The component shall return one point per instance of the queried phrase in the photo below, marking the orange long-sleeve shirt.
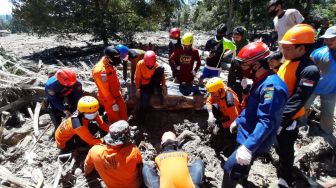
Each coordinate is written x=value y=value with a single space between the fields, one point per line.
x=231 y=111
x=78 y=126
x=117 y=166
x=143 y=74
x=106 y=78
x=174 y=170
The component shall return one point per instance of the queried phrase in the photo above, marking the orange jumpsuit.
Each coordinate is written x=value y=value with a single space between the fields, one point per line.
x=109 y=93
x=143 y=74
x=78 y=126
x=228 y=110
x=174 y=170
x=117 y=166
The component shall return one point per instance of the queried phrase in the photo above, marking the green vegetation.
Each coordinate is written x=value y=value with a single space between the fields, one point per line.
x=120 y=19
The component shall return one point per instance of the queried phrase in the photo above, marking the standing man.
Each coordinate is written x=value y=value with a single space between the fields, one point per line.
x=174 y=44
x=235 y=76
x=107 y=81
x=283 y=19
x=60 y=88
x=216 y=49
x=325 y=59
x=301 y=76
x=183 y=62
x=118 y=161
x=259 y=121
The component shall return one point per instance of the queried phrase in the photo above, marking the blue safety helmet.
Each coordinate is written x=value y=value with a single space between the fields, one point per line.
x=123 y=50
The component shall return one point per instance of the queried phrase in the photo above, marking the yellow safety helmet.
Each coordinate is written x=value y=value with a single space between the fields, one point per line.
x=88 y=104
x=187 y=39
x=214 y=84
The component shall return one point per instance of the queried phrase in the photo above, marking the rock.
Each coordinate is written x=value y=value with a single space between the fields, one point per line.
x=44 y=120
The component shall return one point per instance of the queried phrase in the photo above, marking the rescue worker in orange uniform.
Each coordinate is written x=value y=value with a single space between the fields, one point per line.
x=117 y=161
x=106 y=78
x=79 y=124
x=301 y=76
x=223 y=108
x=149 y=78
x=173 y=167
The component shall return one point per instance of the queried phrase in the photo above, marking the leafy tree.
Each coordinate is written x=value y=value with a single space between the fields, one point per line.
x=105 y=19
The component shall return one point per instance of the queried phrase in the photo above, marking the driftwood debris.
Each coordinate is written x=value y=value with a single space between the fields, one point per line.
x=7 y=175
x=36 y=118
x=4 y=118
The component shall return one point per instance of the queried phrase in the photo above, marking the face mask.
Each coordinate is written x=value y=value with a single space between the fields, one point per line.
x=114 y=61
x=219 y=37
x=91 y=116
x=250 y=73
x=273 y=13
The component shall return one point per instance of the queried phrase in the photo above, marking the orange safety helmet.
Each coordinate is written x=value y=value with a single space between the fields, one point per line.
x=150 y=58
x=253 y=52
x=66 y=77
x=299 y=34
x=174 y=33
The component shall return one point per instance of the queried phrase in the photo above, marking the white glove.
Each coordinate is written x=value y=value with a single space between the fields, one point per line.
x=233 y=127
x=193 y=72
x=243 y=155
x=245 y=82
x=115 y=107
x=211 y=119
x=292 y=127
x=206 y=53
x=178 y=68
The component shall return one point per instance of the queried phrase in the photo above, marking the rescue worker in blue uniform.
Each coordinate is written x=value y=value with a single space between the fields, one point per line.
x=258 y=123
x=60 y=88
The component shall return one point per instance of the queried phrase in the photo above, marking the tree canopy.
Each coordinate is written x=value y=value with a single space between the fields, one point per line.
x=120 y=19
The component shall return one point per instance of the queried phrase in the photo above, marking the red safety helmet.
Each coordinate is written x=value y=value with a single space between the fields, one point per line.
x=253 y=52
x=66 y=77
x=174 y=33
x=150 y=58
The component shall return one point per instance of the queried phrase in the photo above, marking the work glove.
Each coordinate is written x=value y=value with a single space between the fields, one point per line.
x=178 y=68
x=67 y=113
x=164 y=91
x=193 y=72
x=233 y=127
x=243 y=155
x=115 y=107
x=137 y=94
x=211 y=119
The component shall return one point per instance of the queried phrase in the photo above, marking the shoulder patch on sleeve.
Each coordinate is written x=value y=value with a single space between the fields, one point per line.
x=51 y=92
x=75 y=122
x=268 y=94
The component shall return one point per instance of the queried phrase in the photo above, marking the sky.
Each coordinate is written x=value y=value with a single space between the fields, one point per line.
x=5 y=7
